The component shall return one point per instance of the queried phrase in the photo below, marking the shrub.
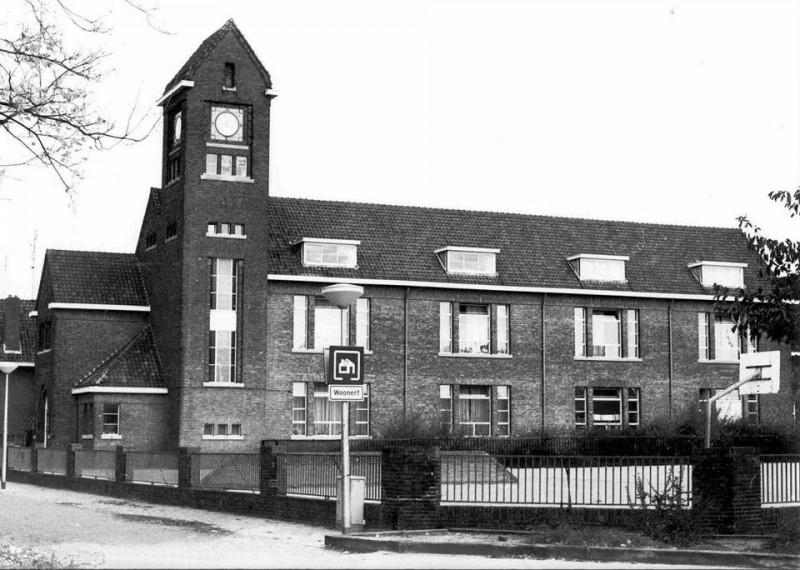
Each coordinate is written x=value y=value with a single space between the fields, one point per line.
x=667 y=516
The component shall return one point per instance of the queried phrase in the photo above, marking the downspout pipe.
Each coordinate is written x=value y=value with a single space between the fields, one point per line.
x=405 y=354
x=544 y=359
x=671 y=358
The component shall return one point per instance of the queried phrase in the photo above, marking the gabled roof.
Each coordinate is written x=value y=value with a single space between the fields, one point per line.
x=27 y=333
x=134 y=365
x=96 y=278
x=398 y=244
x=187 y=72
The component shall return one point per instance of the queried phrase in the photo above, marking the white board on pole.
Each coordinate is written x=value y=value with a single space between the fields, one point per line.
x=763 y=370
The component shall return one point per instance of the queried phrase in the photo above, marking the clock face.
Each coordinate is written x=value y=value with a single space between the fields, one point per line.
x=177 y=127
x=227 y=124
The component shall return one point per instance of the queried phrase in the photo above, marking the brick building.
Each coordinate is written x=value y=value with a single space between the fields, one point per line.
x=210 y=335
x=18 y=349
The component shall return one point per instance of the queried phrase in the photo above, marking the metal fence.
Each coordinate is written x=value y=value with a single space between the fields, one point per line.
x=314 y=473
x=226 y=471
x=96 y=463
x=51 y=460
x=780 y=480
x=156 y=468
x=512 y=480
x=19 y=458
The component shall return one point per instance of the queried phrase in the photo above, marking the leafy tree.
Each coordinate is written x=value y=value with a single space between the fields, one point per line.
x=771 y=310
x=47 y=112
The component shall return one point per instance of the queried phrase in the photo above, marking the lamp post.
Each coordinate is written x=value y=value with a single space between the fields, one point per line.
x=343 y=295
x=6 y=368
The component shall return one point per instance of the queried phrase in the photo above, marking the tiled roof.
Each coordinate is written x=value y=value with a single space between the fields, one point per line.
x=201 y=53
x=398 y=243
x=91 y=277
x=27 y=333
x=134 y=365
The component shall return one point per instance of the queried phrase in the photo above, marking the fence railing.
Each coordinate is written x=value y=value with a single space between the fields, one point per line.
x=95 y=463
x=314 y=473
x=51 y=460
x=780 y=479
x=226 y=471
x=562 y=480
x=20 y=458
x=156 y=468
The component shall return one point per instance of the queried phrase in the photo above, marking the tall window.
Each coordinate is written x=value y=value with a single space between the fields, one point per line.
x=362 y=323
x=599 y=333
x=718 y=341
x=473 y=329
x=609 y=408
x=299 y=408
x=475 y=410
x=504 y=410
x=111 y=419
x=361 y=423
x=327 y=414
x=330 y=324
x=229 y=76
x=87 y=421
x=223 y=321
x=446 y=407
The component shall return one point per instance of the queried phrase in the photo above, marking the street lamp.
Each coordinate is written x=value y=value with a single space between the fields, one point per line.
x=343 y=295
x=6 y=368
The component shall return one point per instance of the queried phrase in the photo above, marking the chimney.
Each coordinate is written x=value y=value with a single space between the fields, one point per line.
x=11 y=324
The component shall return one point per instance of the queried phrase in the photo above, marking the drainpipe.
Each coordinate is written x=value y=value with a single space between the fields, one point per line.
x=544 y=354
x=405 y=354
x=671 y=358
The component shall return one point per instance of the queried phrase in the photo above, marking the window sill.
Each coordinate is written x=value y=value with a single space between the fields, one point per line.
x=471 y=355
x=45 y=351
x=87 y=436
x=227 y=145
x=223 y=178
x=606 y=359
x=223 y=385
x=224 y=437
x=229 y=236
x=702 y=361
x=229 y=88
x=318 y=351
x=172 y=182
x=110 y=436
x=169 y=239
x=328 y=437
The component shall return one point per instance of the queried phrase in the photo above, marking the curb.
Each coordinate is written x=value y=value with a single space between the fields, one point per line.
x=371 y=542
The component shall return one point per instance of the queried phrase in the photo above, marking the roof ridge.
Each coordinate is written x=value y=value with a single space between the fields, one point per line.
x=503 y=213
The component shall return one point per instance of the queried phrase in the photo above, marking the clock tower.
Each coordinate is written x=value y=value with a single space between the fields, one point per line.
x=202 y=245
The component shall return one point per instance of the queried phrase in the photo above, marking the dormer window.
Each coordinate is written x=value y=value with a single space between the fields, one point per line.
x=724 y=274
x=595 y=267
x=468 y=260
x=330 y=252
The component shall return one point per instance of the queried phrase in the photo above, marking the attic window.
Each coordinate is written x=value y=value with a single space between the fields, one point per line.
x=229 y=77
x=596 y=267
x=468 y=260
x=724 y=274
x=330 y=252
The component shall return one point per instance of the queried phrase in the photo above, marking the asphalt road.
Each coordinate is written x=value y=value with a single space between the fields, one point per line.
x=95 y=531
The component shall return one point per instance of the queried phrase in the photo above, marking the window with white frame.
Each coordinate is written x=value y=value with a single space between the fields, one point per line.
x=299 y=406
x=446 y=407
x=468 y=261
x=719 y=339
x=472 y=326
x=730 y=407
x=609 y=408
x=330 y=253
x=503 y=410
x=225 y=229
x=724 y=274
x=328 y=324
x=223 y=321
x=111 y=420
x=326 y=416
x=475 y=410
x=589 y=267
x=599 y=333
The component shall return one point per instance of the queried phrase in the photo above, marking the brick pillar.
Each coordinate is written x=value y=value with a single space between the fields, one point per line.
x=185 y=467
x=411 y=478
x=71 y=448
x=120 y=464
x=268 y=469
x=726 y=490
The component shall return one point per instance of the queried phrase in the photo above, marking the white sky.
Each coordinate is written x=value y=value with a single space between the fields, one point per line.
x=680 y=112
